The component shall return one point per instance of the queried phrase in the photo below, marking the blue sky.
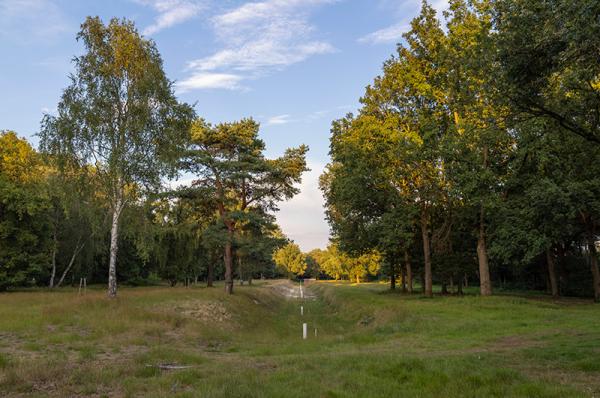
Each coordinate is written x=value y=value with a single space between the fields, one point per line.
x=293 y=65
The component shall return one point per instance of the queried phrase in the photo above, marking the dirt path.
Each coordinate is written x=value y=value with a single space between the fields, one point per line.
x=291 y=290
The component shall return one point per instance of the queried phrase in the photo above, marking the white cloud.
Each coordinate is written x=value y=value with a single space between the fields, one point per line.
x=170 y=13
x=26 y=21
x=249 y=12
x=279 y=119
x=408 y=9
x=303 y=217
x=387 y=35
x=306 y=118
x=207 y=80
x=260 y=37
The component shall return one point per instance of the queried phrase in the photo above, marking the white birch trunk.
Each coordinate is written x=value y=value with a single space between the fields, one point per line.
x=114 y=242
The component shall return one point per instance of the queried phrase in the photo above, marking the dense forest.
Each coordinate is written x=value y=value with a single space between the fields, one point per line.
x=96 y=192
x=472 y=160
x=474 y=156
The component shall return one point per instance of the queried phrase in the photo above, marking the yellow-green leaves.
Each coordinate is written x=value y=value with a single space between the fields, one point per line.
x=291 y=259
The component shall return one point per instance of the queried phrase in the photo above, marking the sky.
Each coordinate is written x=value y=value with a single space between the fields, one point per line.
x=293 y=65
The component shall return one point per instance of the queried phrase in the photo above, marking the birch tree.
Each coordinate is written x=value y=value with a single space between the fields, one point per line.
x=119 y=114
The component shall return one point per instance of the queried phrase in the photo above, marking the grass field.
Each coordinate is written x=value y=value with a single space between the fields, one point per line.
x=370 y=343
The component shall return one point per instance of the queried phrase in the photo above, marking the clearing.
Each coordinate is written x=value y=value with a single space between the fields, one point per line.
x=187 y=342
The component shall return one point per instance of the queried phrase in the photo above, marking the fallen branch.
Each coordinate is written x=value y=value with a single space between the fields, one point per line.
x=167 y=366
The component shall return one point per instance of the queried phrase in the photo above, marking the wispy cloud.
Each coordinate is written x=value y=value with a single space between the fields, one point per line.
x=261 y=37
x=27 y=21
x=277 y=120
x=386 y=35
x=306 y=118
x=171 y=12
x=207 y=80
x=408 y=9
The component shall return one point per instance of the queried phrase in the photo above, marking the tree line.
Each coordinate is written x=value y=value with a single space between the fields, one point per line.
x=475 y=154
x=473 y=157
x=96 y=190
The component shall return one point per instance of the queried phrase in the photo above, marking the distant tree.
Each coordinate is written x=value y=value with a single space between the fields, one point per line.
x=314 y=259
x=177 y=244
x=260 y=237
x=77 y=215
x=291 y=259
x=120 y=115
x=236 y=178
x=357 y=268
x=331 y=262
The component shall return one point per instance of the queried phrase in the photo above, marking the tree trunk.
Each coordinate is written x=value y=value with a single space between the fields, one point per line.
x=210 y=275
x=357 y=279
x=114 y=245
x=78 y=248
x=485 y=283
x=428 y=284
x=54 y=250
x=444 y=288
x=594 y=264
x=409 y=276
x=241 y=275
x=228 y=258
x=393 y=278
x=552 y=273
x=403 y=276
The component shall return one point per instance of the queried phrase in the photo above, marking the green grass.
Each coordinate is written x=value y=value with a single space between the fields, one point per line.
x=369 y=343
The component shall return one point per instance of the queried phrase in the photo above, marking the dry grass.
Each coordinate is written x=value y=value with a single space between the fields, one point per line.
x=369 y=344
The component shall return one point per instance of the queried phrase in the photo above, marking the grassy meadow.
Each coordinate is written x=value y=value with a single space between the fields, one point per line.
x=369 y=343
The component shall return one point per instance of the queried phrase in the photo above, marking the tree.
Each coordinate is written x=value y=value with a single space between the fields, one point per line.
x=358 y=268
x=120 y=115
x=314 y=258
x=259 y=238
x=25 y=243
x=389 y=156
x=478 y=147
x=235 y=177
x=177 y=245
x=331 y=262
x=291 y=259
x=552 y=71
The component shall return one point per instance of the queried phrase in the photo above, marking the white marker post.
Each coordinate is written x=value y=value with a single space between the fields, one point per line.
x=301 y=292
x=304 y=331
x=302 y=310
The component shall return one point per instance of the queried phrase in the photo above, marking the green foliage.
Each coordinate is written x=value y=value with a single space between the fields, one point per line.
x=237 y=181
x=119 y=112
x=291 y=259
x=24 y=204
x=119 y=115
x=464 y=145
x=552 y=72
